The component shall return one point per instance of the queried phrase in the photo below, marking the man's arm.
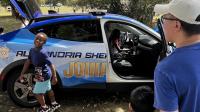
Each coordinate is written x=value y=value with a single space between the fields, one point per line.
x=54 y=77
x=52 y=67
x=25 y=68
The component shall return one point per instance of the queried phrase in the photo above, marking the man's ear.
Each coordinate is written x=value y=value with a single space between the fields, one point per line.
x=178 y=25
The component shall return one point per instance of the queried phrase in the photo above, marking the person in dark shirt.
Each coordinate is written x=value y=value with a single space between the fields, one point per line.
x=114 y=45
x=1 y=30
x=115 y=41
x=44 y=71
x=141 y=100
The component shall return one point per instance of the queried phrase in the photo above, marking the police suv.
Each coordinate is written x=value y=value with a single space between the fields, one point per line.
x=80 y=46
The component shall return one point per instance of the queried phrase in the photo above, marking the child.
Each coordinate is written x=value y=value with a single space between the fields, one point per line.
x=141 y=100
x=43 y=70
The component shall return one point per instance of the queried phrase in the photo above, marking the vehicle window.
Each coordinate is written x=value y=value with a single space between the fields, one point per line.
x=130 y=30
x=48 y=30
x=83 y=31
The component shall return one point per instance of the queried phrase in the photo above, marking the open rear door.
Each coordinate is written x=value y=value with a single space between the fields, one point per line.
x=163 y=53
x=27 y=9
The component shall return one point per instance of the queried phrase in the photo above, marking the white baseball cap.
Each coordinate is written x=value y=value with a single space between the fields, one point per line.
x=185 y=10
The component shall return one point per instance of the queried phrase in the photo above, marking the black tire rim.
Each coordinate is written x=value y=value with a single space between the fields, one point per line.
x=24 y=90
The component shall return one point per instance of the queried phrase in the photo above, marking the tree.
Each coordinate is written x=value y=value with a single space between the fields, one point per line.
x=116 y=7
x=141 y=10
x=5 y=3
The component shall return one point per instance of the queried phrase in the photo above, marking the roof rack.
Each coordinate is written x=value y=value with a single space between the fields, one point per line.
x=98 y=12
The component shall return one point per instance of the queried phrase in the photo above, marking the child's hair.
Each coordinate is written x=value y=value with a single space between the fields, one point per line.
x=142 y=99
x=42 y=33
x=115 y=34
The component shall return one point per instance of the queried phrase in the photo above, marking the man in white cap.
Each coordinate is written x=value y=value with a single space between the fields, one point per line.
x=177 y=77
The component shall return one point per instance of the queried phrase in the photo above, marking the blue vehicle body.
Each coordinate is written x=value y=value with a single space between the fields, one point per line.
x=82 y=59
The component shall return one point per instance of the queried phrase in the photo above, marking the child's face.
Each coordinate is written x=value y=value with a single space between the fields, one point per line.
x=39 y=40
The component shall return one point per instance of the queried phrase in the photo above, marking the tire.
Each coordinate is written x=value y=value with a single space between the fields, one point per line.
x=21 y=93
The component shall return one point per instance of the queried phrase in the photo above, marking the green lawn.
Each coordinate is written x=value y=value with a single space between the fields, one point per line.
x=4 y=12
x=62 y=9
x=9 y=23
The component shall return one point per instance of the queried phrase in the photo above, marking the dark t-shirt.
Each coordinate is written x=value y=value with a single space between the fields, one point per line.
x=39 y=58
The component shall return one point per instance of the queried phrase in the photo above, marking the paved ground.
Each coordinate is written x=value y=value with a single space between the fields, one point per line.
x=77 y=101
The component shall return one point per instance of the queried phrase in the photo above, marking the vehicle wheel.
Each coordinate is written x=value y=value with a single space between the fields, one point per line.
x=21 y=93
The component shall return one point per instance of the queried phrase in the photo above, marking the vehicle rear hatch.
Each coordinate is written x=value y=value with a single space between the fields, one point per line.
x=26 y=9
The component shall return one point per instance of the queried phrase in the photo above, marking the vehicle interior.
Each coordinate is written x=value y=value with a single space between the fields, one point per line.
x=135 y=53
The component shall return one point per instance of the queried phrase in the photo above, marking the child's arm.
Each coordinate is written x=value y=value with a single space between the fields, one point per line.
x=25 y=68
x=52 y=67
x=54 y=77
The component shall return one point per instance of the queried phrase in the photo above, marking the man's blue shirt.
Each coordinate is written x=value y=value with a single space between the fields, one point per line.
x=39 y=58
x=177 y=80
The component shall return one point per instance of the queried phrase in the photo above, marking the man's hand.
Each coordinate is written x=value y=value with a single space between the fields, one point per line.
x=54 y=80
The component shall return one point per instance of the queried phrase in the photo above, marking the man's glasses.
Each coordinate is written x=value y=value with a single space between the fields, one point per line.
x=168 y=18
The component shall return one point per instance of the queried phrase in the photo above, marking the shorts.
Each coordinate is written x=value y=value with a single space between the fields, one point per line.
x=42 y=87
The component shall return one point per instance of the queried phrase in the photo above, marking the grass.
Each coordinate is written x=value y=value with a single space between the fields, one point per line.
x=4 y=12
x=62 y=9
x=9 y=23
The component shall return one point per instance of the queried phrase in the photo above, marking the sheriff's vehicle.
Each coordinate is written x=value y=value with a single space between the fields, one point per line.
x=80 y=46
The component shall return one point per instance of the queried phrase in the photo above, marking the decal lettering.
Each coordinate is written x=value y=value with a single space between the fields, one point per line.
x=22 y=53
x=63 y=54
x=97 y=55
x=85 y=69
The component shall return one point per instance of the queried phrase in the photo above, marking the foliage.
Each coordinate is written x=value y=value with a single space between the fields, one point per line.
x=9 y=23
x=141 y=10
x=4 y=3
